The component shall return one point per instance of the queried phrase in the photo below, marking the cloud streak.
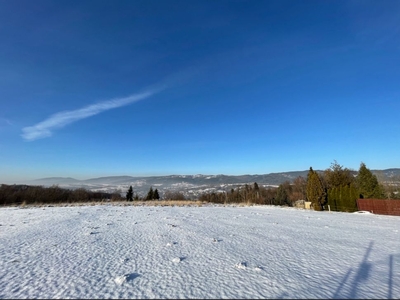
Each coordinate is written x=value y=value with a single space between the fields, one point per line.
x=45 y=128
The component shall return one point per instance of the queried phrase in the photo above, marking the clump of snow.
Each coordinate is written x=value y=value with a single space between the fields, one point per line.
x=121 y=279
x=258 y=268
x=241 y=265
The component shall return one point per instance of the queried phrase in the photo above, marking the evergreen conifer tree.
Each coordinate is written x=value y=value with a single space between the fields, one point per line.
x=156 y=196
x=332 y=199
x=129 y=194
x=150 y=194
x=282 y=197
x=315 y=190
x=368 y=183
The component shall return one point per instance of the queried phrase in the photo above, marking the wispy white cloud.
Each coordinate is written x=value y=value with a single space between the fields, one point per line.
x=5 y=121
x=45 y=128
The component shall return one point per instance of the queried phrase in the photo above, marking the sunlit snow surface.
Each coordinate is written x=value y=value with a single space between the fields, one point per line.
x=110 y=251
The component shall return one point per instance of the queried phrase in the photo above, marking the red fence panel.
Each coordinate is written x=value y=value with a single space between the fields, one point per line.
x=380 y=206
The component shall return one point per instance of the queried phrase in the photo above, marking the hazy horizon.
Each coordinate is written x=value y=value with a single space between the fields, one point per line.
x=80 y=178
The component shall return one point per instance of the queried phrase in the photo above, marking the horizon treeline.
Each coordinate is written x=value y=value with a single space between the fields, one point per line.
x=26 y=194
x=335 y=186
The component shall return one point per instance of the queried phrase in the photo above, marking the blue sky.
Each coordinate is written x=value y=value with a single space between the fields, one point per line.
x=102 y=88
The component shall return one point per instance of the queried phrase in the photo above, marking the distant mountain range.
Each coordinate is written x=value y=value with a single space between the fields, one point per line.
x=191 y=186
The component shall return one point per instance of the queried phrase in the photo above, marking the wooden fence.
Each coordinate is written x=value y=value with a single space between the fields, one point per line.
x=380 y=206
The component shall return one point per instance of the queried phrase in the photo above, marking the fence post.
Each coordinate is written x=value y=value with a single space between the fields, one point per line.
x=329 y=207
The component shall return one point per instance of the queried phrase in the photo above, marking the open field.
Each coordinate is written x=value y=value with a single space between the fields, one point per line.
x=117 y=251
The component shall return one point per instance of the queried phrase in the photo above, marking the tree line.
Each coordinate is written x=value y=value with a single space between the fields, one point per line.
x=25 y=194
x=337 y=189
x=153 y=195
x=336 y=186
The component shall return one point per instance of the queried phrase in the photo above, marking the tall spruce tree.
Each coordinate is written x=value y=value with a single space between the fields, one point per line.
x=129 y=194
x=156 y=196
x=150 y=194
x=315 y=190
x=368 y=184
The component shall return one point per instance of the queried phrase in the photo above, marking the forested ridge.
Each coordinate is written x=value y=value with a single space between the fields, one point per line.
x=336 y=187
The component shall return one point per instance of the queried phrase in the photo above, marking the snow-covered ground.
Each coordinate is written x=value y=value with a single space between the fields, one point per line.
x=110 y=251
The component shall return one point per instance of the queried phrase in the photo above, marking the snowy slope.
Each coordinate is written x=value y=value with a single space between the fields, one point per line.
x=110 y=251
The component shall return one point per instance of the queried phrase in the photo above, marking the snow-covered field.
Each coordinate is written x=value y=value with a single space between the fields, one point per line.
x=110 y=251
